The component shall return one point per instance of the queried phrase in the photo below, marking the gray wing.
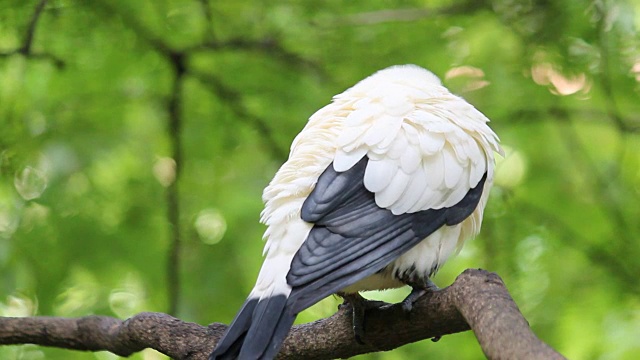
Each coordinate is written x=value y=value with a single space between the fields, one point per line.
x=353 y=238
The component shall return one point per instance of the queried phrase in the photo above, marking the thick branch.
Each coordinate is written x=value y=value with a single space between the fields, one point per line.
x=477 y=300
x=499 y=326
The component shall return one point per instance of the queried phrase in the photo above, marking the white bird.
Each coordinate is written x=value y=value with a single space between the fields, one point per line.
x=380 y=188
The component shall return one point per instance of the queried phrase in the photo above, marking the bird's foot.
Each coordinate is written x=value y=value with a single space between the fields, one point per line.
x=417 y=291
x=359 y=306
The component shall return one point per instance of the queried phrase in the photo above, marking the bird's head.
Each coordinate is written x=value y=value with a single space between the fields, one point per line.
x=396 y=80
x=406 y=74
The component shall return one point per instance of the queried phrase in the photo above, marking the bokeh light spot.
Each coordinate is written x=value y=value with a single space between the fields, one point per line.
x=210 y=225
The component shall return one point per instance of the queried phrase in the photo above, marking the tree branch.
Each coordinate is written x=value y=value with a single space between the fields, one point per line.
x=28 y=39
x=268 y=45
x=208 y=15
x=410 y=14
x=178 y=60
x=174 y=110
x=155 y=42
x=605 y=68
x=233 y=100
x=26 y=48
x=565 y=115
x=477 y=300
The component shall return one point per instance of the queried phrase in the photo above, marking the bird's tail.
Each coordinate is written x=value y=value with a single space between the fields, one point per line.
x=257 y=331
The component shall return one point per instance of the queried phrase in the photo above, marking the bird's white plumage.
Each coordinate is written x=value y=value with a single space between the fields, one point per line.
x=426 y=149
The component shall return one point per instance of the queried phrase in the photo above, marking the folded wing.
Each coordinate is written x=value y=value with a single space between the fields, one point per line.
x=353 y=237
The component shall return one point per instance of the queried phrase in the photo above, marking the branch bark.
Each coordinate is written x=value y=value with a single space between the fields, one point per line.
x=477 y=300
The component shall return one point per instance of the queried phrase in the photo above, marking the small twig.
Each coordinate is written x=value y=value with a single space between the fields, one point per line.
x=233 y=99
x=562 y=114
x=611 y=202
x=605 y=70
x=407 y=15
x=268 y=45
x=26 y=48
x=208 y=15
x=600 y=255
x=148 y=36
x=59 y=63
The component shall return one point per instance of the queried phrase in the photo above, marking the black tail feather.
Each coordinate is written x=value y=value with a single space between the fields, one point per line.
x=258 y=330
x=280 y=333
x=229 y=345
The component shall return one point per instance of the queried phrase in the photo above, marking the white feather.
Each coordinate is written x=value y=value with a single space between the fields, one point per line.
x=412 y=194
x=398 y=146
x=427 y=199
x=345 y=160
x=434 y=168
x=395 y=101
x=381 y=129
x=379 y=173
x=391 y=134
x=430 y=142
x=349 y=137
x=441 y=127
x=452 y=168
x=412 y=156
x=390 y=194
x=477 y=168
x=473 y=152
x=272 y=277
x=362 y=115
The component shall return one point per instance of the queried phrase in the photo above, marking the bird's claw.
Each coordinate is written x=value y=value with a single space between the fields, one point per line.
x=360 y=306
x=416 y=293
x=407 y=304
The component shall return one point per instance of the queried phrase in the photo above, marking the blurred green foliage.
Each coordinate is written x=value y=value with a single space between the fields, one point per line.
x=86 y=151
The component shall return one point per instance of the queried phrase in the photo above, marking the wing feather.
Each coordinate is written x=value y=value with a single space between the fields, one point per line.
x=412 y=194
x=430 y=142
x=452 y=167
x=434 y=167
x=411 y=158
x=345 y=160
x=398 y=146
x=383 y=127
x=353 y=237
x=392 y=193
x=379 y=174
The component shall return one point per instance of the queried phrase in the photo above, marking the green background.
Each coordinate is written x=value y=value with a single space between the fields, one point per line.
x=86 y=152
